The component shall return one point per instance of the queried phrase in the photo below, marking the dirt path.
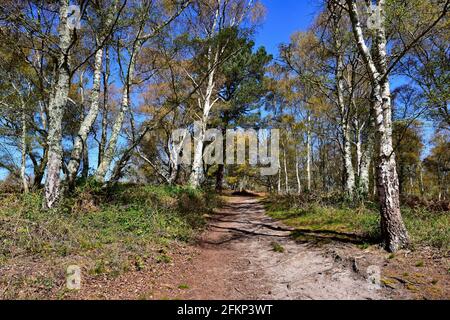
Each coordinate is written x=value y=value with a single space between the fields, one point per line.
x=237 y=261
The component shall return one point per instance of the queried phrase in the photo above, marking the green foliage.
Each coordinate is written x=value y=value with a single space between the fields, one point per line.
x=276 y=247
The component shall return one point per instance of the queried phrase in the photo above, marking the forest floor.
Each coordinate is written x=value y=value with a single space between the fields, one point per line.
x=244 y=254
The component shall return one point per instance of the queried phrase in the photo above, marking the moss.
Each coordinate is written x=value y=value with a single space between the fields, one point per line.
x=388 y=282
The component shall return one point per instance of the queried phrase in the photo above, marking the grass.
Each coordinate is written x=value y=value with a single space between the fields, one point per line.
x=183 y=287
x=276 y=247
x=358 y=225
x=107 y=232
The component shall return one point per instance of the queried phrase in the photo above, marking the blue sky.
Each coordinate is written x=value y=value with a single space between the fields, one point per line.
x=283 y=18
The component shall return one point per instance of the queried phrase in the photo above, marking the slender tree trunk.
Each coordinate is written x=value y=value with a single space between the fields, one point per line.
x=421 y=185
x=102 y=145
x=279 y=180
x=219 y=177
x=197 y=175
x=344 y=110
x=39 y=169
x=110 y=150
x=85 y=171
x=80 y=144
x=364 y=169
x=349 y=171
x=359 y=148
x=286 y=176
x=24 y=152
x=297 y=173
x=308 y=154
x=56 y=110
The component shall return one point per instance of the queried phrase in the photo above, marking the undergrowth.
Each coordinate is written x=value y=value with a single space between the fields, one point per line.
x=107 y=231
x=359 y=225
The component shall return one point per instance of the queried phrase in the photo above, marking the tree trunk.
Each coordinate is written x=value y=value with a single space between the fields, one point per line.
x=393 y=229
x=39 y=168
x=23 y=167
x=197 y=175
x=286 y=176
x=56 y=110
x=279 y=180
x=421 y=185
x=364 y=168
x=85 y=171
x=308 y=154
x=80 y=143
x=109 y=153
x=349 y=174
x=102 y=145
x=297 y=173
x=219 y=177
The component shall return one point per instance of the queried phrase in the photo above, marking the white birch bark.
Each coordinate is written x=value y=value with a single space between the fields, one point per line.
x=364 y=168
x=197 y=174
x=297 y=173
x=23 y=167
x=56 y=109
x=308 y=154
x=86 y=125
x=344 y=111
x=110 y=150
x=286 y=176
x=392 y=227
x=279 y=180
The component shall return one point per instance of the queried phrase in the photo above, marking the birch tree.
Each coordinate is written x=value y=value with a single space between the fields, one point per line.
x=101 y=35
x=140 y=38
x=58 y=101
x=376 y=60
x=213 y=18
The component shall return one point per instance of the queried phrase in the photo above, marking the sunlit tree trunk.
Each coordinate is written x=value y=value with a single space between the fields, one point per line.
x=56 y=110
x=297 y=173
x=286 y=175
x=104 y=124
x=80 y=144
x=349 y=183
x=197 y=175
x=364 y=169
x=308 y=153
x=111 y=149
x=392 y=227
x=23 y=166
